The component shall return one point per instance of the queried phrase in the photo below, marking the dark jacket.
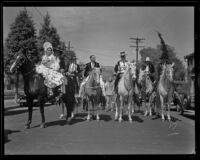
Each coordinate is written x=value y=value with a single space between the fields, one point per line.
x=88 y=68
x=151 y=67
x=78 y=70
x=118 y=65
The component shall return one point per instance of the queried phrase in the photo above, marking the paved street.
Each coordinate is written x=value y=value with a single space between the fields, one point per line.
x=145 y=135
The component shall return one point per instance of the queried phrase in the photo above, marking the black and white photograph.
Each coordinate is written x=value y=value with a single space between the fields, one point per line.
x=99 y=80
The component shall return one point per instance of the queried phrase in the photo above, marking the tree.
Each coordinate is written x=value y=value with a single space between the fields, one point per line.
x=155 y=53
x=49 y=33
x=21 y=39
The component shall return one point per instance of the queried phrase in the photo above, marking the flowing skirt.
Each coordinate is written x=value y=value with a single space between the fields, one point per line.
x=52 y=78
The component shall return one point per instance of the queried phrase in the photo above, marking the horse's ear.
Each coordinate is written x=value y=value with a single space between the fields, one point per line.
x=173 y=64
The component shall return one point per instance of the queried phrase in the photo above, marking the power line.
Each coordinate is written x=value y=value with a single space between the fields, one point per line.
x=137 y=41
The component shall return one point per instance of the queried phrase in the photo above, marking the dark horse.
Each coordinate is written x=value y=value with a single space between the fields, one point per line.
x=68 y=98
x=34 y=87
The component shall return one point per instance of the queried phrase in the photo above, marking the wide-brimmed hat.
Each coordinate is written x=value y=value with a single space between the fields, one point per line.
x=47 y=45
x=123 y=53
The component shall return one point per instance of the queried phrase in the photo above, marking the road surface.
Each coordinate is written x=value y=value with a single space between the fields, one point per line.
x=146 y=135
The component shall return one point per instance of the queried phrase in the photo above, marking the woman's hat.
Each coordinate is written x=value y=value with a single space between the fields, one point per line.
x=123 y=53
x=47 y=45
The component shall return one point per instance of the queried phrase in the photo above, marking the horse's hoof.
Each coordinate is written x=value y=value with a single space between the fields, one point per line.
x=130 y=120
x=61 y=116
x=120 y=120
x=42 y=125
x=27 y=126
x=163 y=120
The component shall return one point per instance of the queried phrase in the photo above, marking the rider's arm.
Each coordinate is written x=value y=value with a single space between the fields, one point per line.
x=116 y=67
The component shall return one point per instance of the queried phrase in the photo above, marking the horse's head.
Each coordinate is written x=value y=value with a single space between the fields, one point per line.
x=168 y=69
x=141 y=75
x=132 y=70
x=96 y=75
x=19 y=61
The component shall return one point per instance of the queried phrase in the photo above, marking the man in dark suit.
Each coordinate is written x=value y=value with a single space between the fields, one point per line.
x=92 y=64
x=89 y=66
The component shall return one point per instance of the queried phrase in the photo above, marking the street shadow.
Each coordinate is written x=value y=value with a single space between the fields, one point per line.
x=8 y=132
x=173 y=119
x=137 y=119
x=76 y=120
x=105 y=117
x=189 y=116
x=15 y=112
x=53 y=123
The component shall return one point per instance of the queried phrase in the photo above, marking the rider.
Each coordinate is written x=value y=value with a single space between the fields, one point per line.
x=50 y=61
x=164 y=59
x=89 y=66
x=73 y=69
x=149 y=68
x=120 y=68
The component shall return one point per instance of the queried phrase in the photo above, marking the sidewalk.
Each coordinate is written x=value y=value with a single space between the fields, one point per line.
x=10 y=103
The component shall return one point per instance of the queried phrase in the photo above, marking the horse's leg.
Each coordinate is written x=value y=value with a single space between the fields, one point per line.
x=168 y=112
x=121 y=108
x=98 y=108
x=30 y=110
x=62 y=109
x=162 y=107
x=88 y=109
x=129 y=109
x=150 y=105
x=117 y=109
x=41 y=103
x=145 y=106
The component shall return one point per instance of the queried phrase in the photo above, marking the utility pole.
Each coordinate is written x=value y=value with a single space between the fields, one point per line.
x=69 y=47
x=137 y=41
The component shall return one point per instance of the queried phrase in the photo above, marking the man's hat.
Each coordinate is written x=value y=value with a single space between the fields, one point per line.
x=123 y=53
x=47 y=45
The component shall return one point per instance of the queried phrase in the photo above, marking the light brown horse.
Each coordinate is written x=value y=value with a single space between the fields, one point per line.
x=165 y=88
x=125 y=92
x=93 y=92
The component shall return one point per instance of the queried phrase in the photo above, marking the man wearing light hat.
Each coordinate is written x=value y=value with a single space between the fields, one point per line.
x=73 y=70
x=120 y=68
x=149 y=68
x=49 y=67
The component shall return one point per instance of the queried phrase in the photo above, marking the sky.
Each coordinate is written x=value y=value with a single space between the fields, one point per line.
x=106 y=31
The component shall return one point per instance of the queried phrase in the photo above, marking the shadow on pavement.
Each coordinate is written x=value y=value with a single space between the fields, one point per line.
x=189 y=116
x=7 y=132
x=137 y=119
x=105 y=117
x=14 y=112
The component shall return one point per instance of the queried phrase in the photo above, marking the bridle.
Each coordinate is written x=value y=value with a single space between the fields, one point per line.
x=25 y=57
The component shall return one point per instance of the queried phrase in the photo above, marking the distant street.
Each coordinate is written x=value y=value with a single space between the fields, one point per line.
x=146 y=135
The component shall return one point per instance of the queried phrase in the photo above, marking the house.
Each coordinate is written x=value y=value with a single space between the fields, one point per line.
x=190 y=74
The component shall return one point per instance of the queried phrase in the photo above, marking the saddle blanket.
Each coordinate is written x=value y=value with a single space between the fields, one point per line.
x=52 y=78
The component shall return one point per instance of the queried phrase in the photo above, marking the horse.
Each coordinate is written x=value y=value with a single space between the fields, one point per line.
x=93 y=92
x=125 y=92
x=136 y=96
x=68 y=98
x=146 y=91
x=166 y=88
x=34 y=87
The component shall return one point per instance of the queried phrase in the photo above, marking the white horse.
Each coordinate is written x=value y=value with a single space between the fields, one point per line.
x=125 y=91
x=166 y=89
